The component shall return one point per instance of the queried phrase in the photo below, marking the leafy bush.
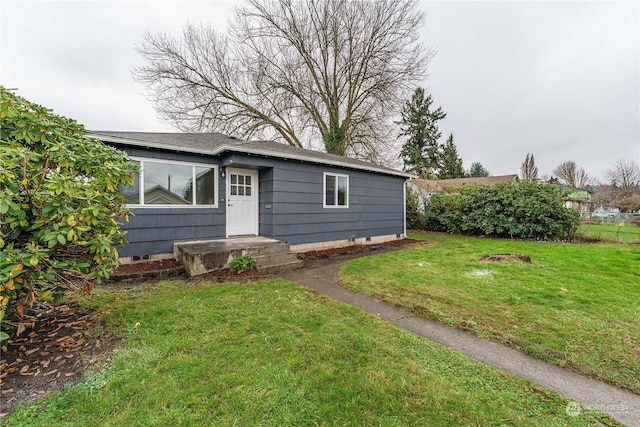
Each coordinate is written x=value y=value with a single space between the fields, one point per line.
x=59 y=204
x=242 y=263
x=522 y=209
x=413 y=211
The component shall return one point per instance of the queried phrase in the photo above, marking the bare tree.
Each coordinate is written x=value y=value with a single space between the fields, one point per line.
x=528 y=169
x=625 y=175
x=296 y=71
x=570 y=174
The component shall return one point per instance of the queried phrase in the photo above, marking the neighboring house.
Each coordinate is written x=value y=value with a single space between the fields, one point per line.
x=578 y=199
x=200 y=186
x=159 y=195
x=428 y=187
x=435 y=186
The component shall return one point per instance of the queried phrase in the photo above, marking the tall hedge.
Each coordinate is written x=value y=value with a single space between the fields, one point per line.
x=520 y=209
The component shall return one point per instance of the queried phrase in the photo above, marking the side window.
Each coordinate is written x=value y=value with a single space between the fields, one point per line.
x=336 y=190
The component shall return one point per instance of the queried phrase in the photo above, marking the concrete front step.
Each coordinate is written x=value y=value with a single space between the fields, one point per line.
x=201 y=257
x=282 y=266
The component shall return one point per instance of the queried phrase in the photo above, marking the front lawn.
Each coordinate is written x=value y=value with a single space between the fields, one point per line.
x=271 y=353
x=576 y=305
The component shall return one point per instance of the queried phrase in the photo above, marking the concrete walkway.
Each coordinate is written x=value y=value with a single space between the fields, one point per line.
x=322 y=277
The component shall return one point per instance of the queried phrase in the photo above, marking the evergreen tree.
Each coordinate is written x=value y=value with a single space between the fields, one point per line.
x=421 y=152
x=450 y=162
x=477 y=170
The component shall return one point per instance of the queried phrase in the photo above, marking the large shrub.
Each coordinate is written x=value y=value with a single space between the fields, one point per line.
x=413 y=209
x=521 y=209
x=59 y=204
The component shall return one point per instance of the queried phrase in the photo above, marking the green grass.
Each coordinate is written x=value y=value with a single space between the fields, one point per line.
x=274 y=354
x=613 y=232
x=576 y=306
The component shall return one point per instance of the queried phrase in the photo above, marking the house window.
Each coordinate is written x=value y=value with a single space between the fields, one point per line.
x=336 y=190
x=163 y=183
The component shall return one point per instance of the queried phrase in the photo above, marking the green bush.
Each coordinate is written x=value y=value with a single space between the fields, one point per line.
x=521 y=209
x=59 y=204
x=242 y=263
x=413 y=211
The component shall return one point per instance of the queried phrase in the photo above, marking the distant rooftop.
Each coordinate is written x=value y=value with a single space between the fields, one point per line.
x=442 y=185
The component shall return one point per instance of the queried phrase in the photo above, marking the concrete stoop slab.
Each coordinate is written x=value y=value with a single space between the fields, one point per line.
x=205 y=256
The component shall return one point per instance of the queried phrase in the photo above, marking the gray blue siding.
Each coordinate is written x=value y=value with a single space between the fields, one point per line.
x=153 y=230
x=294 y=191
x=290 y=206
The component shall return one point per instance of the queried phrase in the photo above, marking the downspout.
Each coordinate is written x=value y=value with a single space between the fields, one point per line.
x=404 y=206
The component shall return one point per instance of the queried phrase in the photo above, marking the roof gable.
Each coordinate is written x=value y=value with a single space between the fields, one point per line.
x=217 y=143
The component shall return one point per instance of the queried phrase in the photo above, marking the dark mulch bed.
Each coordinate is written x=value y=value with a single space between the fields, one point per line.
x=141 y=267
x=227 y=275
x=168 y=268
x=328 y=253
x=56 y=347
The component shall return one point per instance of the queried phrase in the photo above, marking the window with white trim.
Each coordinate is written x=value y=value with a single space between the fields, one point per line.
x=173 y=184
x=336 y=190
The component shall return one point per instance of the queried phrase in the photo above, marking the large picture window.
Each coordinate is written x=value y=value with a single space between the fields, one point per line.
x=173 y=184
x=336 y=190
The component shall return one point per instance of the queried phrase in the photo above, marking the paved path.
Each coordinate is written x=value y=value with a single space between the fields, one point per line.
x=322 y=276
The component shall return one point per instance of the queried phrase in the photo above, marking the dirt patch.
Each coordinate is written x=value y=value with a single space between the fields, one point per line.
x=56 y=347
x=505 y=258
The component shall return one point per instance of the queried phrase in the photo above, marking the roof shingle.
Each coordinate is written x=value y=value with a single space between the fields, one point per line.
x=215 y=143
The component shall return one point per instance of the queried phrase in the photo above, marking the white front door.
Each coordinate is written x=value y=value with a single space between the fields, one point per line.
x=242 y=202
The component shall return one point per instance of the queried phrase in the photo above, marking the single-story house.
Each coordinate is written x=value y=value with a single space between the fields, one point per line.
x=201 y=186
x=578 y=199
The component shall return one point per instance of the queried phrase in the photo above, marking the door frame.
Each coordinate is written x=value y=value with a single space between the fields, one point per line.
x=255 y=191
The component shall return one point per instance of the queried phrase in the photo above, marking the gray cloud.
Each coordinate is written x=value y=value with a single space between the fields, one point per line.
x=559 y=79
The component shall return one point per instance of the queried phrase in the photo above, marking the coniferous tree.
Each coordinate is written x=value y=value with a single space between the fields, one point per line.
x=421 y=152
x=451 y=162
x=477 y=170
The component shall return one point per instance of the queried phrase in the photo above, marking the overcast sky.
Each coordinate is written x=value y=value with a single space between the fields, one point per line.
x=558 y=79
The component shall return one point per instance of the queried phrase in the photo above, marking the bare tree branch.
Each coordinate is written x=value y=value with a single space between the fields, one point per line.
x=303 y=72
x=625 y=175
x=570 y=174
